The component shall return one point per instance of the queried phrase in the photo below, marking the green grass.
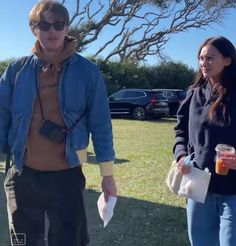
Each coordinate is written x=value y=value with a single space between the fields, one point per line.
x=146 y=213
x=3 y=214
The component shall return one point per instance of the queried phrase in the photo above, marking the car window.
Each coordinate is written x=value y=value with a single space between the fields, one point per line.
x=159 y=91
x=160 y=95
x=169 y=94
x=134 y=94
x=119 y=94
x=181 y=94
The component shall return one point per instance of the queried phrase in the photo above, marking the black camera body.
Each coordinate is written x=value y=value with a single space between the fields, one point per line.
x=53 y=131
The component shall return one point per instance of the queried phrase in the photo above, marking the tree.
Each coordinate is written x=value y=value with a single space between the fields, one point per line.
x=171 y=75
x=123 y=75
x=132 y=30
x=3 y=65
x=130 y=75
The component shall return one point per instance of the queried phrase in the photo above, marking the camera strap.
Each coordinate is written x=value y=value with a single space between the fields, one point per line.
x=40 y=101
x=42 y=112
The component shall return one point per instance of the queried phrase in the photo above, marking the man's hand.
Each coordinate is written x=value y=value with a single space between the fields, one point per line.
x=109 y=186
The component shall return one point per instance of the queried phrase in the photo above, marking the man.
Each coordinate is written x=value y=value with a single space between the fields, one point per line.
x=47 y=111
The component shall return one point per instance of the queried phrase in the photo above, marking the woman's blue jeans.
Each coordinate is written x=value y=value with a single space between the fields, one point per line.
x=214 y=222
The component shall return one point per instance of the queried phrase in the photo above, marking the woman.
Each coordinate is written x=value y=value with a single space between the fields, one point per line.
x=207 y=117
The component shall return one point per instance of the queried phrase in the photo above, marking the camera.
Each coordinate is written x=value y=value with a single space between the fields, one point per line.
x=53 y=131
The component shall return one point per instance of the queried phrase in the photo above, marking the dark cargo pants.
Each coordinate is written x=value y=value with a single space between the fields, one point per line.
x=35 y=195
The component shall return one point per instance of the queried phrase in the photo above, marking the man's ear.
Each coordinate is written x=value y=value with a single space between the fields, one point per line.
x=33 y=30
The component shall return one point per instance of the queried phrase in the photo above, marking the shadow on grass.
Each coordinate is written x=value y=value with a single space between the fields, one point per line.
x=91 y=159
x=137 y=222
x=163 y=120
x=4 y=235
x=148 y=119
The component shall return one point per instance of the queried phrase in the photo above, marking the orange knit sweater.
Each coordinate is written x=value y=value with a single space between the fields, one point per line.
x=41 y=153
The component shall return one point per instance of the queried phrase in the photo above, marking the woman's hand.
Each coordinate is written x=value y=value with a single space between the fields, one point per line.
x=182 y=167
x=229 y=160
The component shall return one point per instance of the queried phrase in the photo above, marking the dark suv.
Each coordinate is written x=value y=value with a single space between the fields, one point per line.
x=138 y=103
x=175 y=98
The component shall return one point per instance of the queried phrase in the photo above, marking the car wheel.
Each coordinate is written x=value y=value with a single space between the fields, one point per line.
x=139 y=113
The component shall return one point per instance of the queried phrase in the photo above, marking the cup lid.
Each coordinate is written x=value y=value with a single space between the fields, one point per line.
x=225 y=147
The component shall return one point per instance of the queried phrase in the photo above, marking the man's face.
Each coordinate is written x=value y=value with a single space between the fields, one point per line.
x=51 y=38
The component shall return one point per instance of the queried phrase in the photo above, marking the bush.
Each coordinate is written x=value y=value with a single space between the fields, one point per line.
x=130 y=75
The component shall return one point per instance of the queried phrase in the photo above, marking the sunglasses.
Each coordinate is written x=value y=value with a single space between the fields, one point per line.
x=45 y=26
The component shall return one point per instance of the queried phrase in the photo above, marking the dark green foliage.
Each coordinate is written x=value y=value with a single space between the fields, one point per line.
x=3 y=66
x=131 y=75
x=171 y=75
x=123 y=75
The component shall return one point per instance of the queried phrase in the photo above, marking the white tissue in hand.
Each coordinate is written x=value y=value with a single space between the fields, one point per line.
x=186 y=189
x=195 y=184
x=105 y=209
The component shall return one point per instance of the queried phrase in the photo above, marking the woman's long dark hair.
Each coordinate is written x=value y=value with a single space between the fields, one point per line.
x=227 y=81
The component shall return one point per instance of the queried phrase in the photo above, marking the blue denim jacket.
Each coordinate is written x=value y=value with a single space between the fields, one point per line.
x=81 y=88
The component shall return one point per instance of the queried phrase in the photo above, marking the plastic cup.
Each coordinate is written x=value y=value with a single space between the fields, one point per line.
x=222 y=149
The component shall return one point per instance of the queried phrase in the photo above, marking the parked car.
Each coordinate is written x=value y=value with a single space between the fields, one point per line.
x=139 y=103
x=175 y=98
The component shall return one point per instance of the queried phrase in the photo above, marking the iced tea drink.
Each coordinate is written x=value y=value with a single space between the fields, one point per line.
x=220 y=168
x=220 y=149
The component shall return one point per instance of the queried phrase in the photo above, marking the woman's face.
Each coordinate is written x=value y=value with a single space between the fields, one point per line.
x=51 y=40
x=212 y=63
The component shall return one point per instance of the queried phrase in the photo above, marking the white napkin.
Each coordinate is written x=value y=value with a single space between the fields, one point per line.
x=105 y=209
x=195 y=184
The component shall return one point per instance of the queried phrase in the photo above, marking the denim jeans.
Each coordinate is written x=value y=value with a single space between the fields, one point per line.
x=214 y=222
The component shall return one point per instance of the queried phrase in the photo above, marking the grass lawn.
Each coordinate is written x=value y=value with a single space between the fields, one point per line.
x=146 y=213
x=3 y=216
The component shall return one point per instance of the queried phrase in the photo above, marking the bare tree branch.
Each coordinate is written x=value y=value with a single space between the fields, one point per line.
x=135 y=29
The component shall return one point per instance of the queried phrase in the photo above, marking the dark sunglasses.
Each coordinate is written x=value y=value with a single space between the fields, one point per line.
x=45 y=26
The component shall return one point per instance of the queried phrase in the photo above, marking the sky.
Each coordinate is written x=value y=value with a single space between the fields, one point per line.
x=17 y=39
